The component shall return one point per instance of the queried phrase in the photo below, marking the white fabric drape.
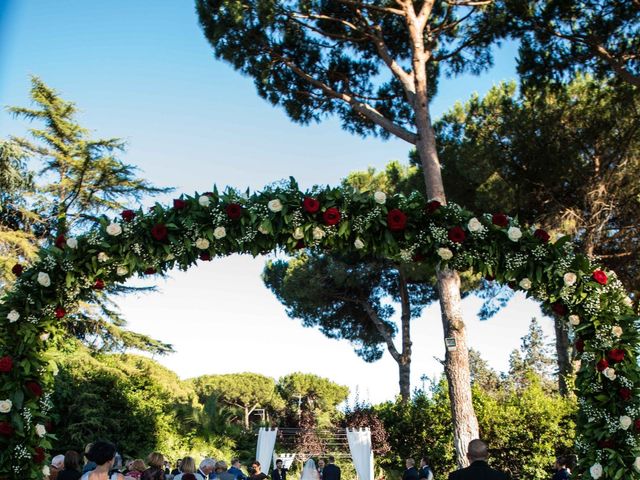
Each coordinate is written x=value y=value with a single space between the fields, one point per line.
x=361 y=453
x=287 y=459
x=266 y=443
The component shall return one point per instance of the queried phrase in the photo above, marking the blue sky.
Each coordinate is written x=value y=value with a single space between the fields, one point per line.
x=143 y=71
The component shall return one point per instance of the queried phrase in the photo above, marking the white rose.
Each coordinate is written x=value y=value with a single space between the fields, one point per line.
x=610 y=373
x=298 y=234
x=114 y=229
x=5 y=406
x=72 y=243
x=628 y=302
x=445 y=253
x=359 y=244
x=525 y=283
x=204 y=201
x=617 y=331
x=318 y=233
x=596 y=471
x=44 y=336
x=475 y=225
x=275 y=205
x=219 y=233
x=570 y=279
x=43 y=279
x=13 y=316
x=202 y=243
x=380 y=197
x=574 y=320
x=41 y=430
x=263 y=230
x=122 y=271
x=514 y=234
x=103 y=257
x=46 y=471
x=636 y=464
x=625 y=422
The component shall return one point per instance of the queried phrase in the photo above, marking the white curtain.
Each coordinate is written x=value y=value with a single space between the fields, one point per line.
x=266 y=443
x=287 y=459
x=361 y=453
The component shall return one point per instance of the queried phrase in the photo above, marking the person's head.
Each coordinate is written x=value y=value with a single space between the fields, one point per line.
x=87 y=449
x=255 y=465
x=102 y=453
x=321 y=463
x=155 y=460
x=562 y=462
x=331 y=459
x=424 y=461
x=235 y=462
x=57 y=462
x=221 y=466
x=278 y=463
x=72 y=460
x=117 y=461
x=478 y=450
x=138 y=465
x=410 y=462
x=207 y=465
x=179 y=463
x=188 y=465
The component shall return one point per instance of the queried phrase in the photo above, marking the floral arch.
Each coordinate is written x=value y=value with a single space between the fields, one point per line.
x=200 y=227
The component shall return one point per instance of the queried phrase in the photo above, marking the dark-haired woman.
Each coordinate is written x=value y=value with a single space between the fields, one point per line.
x=103 y=454
x=71 y=470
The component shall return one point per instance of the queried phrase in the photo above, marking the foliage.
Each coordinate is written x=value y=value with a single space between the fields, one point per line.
x=535 y=355
x=365 y=416
x=215 y=224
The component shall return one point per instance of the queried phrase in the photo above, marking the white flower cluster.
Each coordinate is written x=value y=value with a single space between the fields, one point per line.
x=515 y=260
x=439 y=234
x=297 y=218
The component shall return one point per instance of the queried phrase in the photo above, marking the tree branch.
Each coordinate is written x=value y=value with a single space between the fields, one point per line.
x=373 y=315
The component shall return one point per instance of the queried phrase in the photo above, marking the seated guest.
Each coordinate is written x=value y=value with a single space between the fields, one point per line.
x=155 y=471
x=477 y=453
x=71 y=470
x=136 y=468
x=188 y=466
x=57 y=464
x=235 y=469
x=207 y=467
x=221 y=471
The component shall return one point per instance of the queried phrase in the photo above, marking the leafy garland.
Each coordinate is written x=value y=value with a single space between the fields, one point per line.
x=409 y=229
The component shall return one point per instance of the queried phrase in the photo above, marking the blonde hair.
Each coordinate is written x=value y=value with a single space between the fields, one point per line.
x=188 y=465
x=138 y=464
x=155 y=459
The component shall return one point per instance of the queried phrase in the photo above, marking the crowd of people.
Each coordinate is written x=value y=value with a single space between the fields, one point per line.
x=102 y=462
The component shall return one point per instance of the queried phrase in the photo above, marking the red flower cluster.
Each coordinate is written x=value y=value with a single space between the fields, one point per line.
x=396 y=220
x=6 y=429
x=559 y=308
x=331 y=216
x=310 y=205
x=234 y=211
x=98 y=284
x=34 y=388
x=60 y=242
x=59 y=312
x=616 y=355
x=636 y=424
x=625 y=393
x=17 y=269
x=432 y=207
x=580 y=345
x=500 y=219
x=159 y=232
x=542 y=235
x=600 y=277
x=6 y=364
x=128 y=215
x=456 y=235
x=39 y=455
x=150 y=271
x=205 y=256
x=606 y=443
x=602 y=365
x=179 y=204
x=299 y=244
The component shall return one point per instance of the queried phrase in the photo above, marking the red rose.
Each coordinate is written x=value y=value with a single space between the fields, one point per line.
x=456 y=235
x=418 y=257
x=606 y=443
x=34 y=388
x=60 y=312
x=600 y=277
x=17 y=269
x=489 y=277
x=234 y=211
x=559 y=308
x=432 y=207
x=39 y=455
x=310 y=205
x=150 y=271
x=6 y=364
x=49 y=426
x=512 y=284
x=396 y=220
x=331 y=216
x=128 y=215
x=580 y=345
x=60 y=242
x=602 y=364
x=98 y=284
x=159 y=231
x=205 y=256
x=542 y=235
x=625 y=393
x=616 y=355
x=179 y=204
x=299 y=244
x=500 y=219
x=6 y=429
x=636 y=424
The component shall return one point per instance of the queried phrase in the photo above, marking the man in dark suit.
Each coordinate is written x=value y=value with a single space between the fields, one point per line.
x=279 y=473
x=479 y=469
x=411 y=473
x=331 y=471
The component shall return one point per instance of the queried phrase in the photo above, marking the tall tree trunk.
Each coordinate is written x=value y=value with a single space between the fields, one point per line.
x=404 y=363
x=563 y=351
